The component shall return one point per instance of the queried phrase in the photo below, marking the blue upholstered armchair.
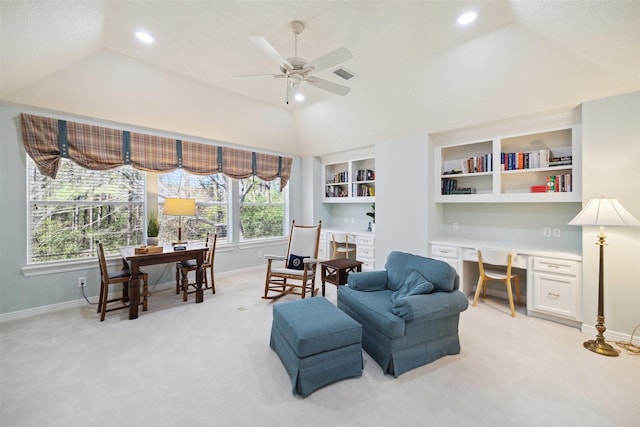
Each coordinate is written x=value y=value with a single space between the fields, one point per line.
x=409 y=312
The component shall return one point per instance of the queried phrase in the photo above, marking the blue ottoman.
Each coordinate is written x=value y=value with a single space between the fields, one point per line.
x=317 y=343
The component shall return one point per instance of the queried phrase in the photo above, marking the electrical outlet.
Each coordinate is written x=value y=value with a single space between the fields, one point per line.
x=353 y=220
x=259 y=254
x=557 y=232
x=82 y=282
x=546 y=231
x=346 y=220
x=456 y=226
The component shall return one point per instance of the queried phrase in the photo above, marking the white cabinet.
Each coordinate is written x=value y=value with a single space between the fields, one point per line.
x=448 y=254
x=365 y=251
x=364 y=241
x=534 y=167
x=556 y=287
x=350 y=181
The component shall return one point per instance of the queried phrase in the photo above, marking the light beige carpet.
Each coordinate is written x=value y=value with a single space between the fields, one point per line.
x=187 y=364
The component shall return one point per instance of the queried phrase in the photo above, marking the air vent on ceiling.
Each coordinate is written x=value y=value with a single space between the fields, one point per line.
x=344 y=73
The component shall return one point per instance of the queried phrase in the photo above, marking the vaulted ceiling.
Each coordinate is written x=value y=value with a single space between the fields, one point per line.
x=416 y=69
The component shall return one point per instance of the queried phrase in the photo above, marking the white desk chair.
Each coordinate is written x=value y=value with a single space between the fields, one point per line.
x=341 y=248
x=497 y=258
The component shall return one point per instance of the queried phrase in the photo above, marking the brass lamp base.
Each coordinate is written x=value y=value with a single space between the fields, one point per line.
x=600 y=347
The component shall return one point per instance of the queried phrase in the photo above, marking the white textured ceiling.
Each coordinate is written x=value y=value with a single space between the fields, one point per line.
x=415 y=67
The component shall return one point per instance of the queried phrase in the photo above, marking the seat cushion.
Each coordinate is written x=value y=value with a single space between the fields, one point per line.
x=372 y=309
x=314 y=325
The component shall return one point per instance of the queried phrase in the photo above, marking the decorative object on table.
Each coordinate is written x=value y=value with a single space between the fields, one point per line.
x=409 y=312
x=601 y=212
x=153 y=228
x=148 y=250
x=303 y=242
x=179 y=207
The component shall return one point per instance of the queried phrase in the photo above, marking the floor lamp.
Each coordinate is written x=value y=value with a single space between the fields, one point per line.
x=602 y=211
x=179 y=208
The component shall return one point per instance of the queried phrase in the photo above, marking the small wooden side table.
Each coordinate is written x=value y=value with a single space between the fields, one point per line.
x=337 y=270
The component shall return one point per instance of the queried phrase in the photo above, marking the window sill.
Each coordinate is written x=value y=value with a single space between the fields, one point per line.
x=262 y=242
x=66 y=266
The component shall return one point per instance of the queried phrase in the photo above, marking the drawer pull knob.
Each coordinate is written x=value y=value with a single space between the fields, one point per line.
x=554 y=266
x=553 y=295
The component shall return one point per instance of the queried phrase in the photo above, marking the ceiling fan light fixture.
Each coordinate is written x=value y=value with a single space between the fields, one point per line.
x=144 y=37
x=467 y=17
x=299 y=97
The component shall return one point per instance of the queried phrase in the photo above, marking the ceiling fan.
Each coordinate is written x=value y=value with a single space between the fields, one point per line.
x=296 y=70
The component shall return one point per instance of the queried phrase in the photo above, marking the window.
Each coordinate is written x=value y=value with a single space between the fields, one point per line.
x=68 y=214
x=212 y=206
x=263 y=209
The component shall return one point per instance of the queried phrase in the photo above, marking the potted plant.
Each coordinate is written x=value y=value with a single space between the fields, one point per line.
x=153 y=228
x=372 y=214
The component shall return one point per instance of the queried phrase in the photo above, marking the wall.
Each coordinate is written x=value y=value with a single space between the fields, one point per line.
x=611 y=155
x=19 y=292
x=402 y=189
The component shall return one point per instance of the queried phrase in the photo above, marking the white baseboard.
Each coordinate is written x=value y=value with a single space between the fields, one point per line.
x=612 y=335
x=52 y=308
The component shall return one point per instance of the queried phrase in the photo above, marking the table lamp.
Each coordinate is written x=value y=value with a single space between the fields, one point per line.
x=179 y=207
x=603 y=211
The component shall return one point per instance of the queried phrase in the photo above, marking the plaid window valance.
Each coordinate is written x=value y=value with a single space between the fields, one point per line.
x=94 y=147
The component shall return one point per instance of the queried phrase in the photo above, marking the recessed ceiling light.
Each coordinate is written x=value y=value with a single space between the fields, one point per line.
x=299 y=97
x=144 y=37
x=467 y=18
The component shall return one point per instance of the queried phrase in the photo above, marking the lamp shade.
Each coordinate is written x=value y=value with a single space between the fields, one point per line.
x=604 y=211
x=179 y=207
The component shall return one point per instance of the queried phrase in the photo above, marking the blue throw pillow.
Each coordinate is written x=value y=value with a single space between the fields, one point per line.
x=296 y=262
x=414 y=284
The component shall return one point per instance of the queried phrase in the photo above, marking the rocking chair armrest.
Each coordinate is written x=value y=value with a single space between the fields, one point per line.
x=275 y=257
x=310 y=260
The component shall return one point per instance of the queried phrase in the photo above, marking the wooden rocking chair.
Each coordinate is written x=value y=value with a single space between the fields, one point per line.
x=298 y=274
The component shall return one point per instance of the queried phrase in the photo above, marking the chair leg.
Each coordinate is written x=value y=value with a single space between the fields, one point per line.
x=517 y=283
x=510 y=293
x=103 y=306
x=213 y=284
x=185 y=284
x=100 y=297
x=478 y=288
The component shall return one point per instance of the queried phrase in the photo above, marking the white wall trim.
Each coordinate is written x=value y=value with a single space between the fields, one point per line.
x=612 y=336
x=52 y=308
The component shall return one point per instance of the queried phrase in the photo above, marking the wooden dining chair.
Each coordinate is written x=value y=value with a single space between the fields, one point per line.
x=119 y=277
x=183 y=268
x=495 y=272
x=341 y=248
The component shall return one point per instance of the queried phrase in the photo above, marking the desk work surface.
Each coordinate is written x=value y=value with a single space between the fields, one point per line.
x=520 y=248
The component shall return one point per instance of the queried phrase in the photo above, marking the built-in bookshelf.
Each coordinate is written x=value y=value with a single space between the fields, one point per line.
x=535 y=167
x=350 y=181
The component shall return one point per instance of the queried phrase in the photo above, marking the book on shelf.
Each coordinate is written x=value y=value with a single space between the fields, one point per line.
x=450 y=186
x=477 y=164
x=559 y=183
x=365 y=175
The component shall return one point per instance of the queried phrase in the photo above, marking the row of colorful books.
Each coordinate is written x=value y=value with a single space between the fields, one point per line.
x=478 y=164
x=338 y=178
x=363 y=190
x=532 y=160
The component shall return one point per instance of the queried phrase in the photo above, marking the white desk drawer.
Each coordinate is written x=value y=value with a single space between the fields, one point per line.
x=556 y=294
x=365 y=241
x=559 y=266
x=365 y=252
x=444 y=251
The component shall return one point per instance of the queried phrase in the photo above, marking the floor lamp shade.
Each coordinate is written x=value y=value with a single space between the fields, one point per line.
x=600 y=212
x=179 y=207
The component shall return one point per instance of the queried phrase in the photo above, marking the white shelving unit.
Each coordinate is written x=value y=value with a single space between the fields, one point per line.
x=474 y=171
x=351 y=181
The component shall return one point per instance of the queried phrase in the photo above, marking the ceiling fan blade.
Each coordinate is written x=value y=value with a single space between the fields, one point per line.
x=328 y=86
x=330 y=59
x=258 y=76
x=268 y=50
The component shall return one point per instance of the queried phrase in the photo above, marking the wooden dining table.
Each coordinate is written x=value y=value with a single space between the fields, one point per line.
x=168 y=255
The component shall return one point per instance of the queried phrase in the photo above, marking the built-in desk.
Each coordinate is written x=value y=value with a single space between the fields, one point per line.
x=364 y=242
x=553 y=279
